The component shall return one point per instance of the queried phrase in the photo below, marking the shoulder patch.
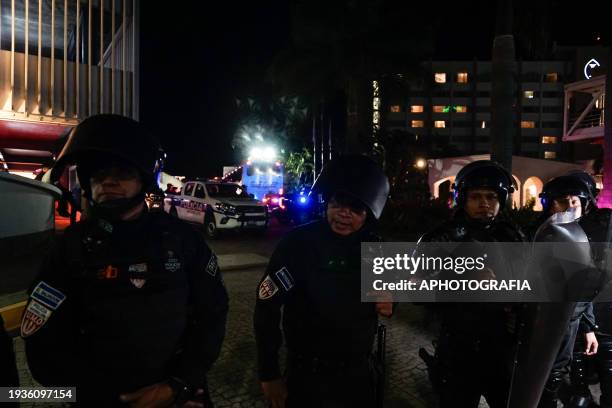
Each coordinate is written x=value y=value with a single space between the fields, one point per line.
x=285 y=278
x=48 y=295
x=212 y=267
x=267 y=288
x=34 y=317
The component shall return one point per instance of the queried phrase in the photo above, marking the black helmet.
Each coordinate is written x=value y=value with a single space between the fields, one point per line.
x=482 y=174
x=563 y=186
x=103 y=138
x=357 y=176
x=587 y=179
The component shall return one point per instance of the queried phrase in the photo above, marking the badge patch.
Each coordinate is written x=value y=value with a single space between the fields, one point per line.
x=267 y=288
x=172 y=263
x=138 y=268
x=34 y=317
x=285 y=278
x=47 y=295
x=212 y=266
x=110 y=272
x=138 y=283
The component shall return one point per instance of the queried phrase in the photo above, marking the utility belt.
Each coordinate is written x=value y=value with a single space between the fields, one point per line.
x=328 y=364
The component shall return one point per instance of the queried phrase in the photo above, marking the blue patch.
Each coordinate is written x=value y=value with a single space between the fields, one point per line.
x=47 y=295
x=285 y=278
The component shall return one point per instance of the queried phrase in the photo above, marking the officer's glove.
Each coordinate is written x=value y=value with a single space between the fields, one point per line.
x=275 y=392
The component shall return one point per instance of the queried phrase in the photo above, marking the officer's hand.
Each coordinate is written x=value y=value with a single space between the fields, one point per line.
x=591 y=344
x=275 y=392
x=384 y=308
x=153 y=396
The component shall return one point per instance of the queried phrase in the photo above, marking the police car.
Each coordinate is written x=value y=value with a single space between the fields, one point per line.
x=217 y=206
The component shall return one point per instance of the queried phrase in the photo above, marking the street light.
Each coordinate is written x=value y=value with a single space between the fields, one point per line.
x=263 y=153
x=420 y=164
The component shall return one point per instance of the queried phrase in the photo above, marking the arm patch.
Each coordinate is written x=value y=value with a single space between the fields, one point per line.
x=285 y=278
x=213 y=266
x=267 y=288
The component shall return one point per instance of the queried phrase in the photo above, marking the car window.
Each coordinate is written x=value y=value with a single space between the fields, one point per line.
x=188 y=189
x=199 y=191
x=226 y=190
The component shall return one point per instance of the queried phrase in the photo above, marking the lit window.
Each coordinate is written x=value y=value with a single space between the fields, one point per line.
x=416 y=108
x=375 y=117
x=462 y=77
x=549 y=139
x=483 y=125
x=440 y=123
x=439 y=108
x=528 y=94
x=440 y=77
x=418 y=124
x=551 y=77
x=461 y=109
x=550 y=155
x=527 y=124
x=395 y=108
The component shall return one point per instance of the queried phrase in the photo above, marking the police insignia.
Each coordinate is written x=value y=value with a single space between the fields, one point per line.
x=267 y=288
x=212 y=266
x=172 y=263
x=138 y=283
x=34 y=317
x=285 y=278
x=139 y=268
x=48 y=295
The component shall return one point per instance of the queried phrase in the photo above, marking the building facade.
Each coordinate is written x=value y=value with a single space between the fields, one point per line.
x=449 y=102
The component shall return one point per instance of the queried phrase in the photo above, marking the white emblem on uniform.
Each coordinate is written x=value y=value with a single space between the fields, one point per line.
x=267 y=288
x=34 y=317
x=140 y=268
x=139 y=283
x=212 y=266
x=172 y=263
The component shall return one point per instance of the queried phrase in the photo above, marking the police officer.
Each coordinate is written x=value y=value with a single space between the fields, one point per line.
x=314 y=275
x=563 y=193
x=475 y=342
x=598 y=229
x=130 y=307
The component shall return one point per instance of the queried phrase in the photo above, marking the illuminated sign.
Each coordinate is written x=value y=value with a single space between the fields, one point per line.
x=589 y=66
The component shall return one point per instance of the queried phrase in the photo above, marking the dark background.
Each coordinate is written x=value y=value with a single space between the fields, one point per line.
x=198 y=57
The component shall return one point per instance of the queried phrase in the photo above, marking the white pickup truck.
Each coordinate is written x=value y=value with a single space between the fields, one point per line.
x=217 y=206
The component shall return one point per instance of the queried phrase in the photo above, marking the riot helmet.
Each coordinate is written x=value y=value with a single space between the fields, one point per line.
x=355 y=176
x=482 y=174
x=563 y=186
x=587 y=179
x=107 y=140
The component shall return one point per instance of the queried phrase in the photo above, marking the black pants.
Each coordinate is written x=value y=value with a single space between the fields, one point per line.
x=562 y=361
x=602 y=365
x=470 y=368
x=315 y=383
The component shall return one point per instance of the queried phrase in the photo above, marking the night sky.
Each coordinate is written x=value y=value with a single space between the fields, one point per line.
x=195 y=61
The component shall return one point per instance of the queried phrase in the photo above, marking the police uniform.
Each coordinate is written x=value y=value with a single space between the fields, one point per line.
x=563 y=186
x=329 y=332
x=475 y=347
x=596 y=225
x=314 y=277
x=120 y=305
